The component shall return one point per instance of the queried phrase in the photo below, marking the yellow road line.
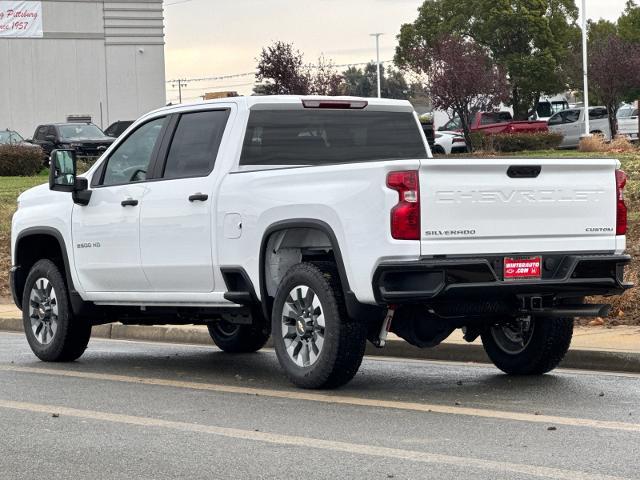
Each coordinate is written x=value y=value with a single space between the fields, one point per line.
x=335 y=399
x=306 y=442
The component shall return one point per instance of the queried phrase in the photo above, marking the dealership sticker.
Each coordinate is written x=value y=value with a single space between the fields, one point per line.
x=517 y=268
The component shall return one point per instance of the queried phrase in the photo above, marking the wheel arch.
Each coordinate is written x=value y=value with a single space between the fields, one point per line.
x=37 y=243
x=355 y=309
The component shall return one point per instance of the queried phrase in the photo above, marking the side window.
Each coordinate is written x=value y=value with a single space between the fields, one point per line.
x=557 y=119
x=571 y=116
x=41 y=132
x=597 y=113
x=195 y=144
x=130 y=161
x=52 y=131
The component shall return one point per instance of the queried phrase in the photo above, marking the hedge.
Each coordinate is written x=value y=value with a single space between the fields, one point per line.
x=20 y=161
x=515 y=142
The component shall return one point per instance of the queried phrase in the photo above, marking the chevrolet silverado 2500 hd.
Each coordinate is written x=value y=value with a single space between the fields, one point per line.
x=322 y=222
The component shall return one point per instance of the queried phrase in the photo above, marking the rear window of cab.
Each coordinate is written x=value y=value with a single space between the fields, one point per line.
x=319 y=137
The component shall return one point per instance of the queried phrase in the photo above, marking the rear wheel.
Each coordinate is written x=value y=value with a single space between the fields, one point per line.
x=316 y=343
x=237 y=338
x=529 y=347
x=52 y=331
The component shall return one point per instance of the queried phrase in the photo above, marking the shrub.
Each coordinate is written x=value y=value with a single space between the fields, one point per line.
x=597 y=143
x=20 y=161
x=515 y=142
x=84 y=163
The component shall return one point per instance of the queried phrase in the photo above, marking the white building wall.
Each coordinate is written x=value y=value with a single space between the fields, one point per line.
x=96 y=57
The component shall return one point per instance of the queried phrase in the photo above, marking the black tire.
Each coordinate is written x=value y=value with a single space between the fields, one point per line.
x=71 y=336
x=344 y=340
x=549 y=342
x=237 y=338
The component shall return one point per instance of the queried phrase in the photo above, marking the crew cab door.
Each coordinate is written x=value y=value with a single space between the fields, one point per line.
x=176 y=219
x=106 y=232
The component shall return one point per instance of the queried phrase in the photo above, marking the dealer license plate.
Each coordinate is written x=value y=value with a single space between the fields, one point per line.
x=522 y=268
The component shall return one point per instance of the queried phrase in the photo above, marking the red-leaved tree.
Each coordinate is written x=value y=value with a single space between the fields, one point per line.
x=281 y=71
x=462 y=77
x=614 y=72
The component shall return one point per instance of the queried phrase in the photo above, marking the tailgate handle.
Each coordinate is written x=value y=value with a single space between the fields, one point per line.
x=524 y=171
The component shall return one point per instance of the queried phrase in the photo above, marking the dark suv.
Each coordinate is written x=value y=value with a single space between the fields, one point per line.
x=85 y=138
x=117 y=128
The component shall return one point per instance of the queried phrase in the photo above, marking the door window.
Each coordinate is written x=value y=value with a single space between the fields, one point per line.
x=571 y=116
x=130 y=161
x=597 y=113
x=195 y=144
x=41 y=132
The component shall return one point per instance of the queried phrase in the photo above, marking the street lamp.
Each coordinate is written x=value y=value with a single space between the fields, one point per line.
x=377 y=35
x=585 y=69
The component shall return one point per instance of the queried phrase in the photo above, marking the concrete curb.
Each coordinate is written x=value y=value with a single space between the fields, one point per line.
x=584 y=359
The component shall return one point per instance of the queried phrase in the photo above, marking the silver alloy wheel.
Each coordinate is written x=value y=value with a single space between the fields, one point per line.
x=303 y=326
x=43 y=311
x=513 y=338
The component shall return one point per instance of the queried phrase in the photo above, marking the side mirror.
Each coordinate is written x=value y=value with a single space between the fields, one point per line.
x=50 y=138
x=62 y=171
x=441 y=128
x=63 y=176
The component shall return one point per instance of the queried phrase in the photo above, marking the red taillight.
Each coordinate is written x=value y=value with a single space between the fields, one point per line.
x=405 y=216
x=621 y=208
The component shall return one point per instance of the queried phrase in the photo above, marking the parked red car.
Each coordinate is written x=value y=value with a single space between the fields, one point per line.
x=496 y=122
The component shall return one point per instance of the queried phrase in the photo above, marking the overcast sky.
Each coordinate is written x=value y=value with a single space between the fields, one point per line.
x=206 y=38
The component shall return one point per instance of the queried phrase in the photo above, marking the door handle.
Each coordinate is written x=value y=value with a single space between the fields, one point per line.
x=524 y=171
x=198 y=197
x=129 y=202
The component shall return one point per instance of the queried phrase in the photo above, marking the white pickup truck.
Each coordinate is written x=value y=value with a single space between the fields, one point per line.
x=321 y=222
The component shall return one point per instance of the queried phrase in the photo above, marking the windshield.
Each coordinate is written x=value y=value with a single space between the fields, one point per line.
x=627 y=112
x=8 y=136
x=80 y=131
x=319 y=137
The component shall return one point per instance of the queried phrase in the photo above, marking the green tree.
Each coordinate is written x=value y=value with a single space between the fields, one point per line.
x=364 y=83
x=530 y=39
x=629 y=23
x=600 y=31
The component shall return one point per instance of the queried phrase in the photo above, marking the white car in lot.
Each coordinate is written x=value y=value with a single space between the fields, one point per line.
x=447 y=143
x=571 y=124
x=628 y=122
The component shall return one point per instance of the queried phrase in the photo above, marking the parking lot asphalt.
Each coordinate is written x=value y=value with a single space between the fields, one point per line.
x=151 y=410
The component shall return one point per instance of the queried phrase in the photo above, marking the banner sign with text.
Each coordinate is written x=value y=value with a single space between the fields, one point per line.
x=20 y=19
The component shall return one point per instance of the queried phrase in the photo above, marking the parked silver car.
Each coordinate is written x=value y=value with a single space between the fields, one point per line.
x=628 y=122
x=570 y=124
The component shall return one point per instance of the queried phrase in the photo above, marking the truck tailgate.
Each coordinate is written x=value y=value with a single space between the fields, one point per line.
x=500 y=205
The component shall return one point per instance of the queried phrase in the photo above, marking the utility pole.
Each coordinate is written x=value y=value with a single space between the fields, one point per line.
x=180 y=83
x=585 y=69
x=377 y=35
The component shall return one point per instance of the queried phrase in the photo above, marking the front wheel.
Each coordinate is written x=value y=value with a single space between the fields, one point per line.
x=316 y=343
x=52 y=331
x=532 y=347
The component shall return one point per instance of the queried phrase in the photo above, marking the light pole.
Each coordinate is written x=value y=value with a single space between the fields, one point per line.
x=377 y=35
x=585 y=69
